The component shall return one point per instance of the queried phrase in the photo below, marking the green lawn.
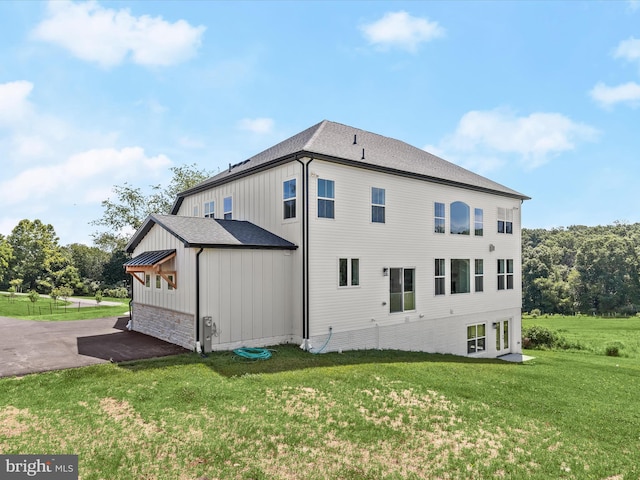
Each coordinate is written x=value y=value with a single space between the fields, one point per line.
x=47 y=310
x=368 y=414
x=594 y=334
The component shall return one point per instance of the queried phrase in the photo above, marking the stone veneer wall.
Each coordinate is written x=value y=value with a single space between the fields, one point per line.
x=168 y=325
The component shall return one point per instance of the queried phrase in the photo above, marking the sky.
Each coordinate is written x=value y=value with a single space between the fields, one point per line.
x=542 y=97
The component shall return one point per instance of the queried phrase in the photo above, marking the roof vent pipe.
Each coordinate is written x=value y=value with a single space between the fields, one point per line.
x=362 y=154
x=229 y=167
x=355 y=139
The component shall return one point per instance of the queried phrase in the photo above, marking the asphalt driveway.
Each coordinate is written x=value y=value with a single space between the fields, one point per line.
x=28 y=346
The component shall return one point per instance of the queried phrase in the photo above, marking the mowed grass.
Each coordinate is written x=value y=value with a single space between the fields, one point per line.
x=594 y=334
x=356 y=415
x=46 y=310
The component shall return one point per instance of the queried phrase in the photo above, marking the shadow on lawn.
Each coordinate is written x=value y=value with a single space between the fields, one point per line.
x=291 y=358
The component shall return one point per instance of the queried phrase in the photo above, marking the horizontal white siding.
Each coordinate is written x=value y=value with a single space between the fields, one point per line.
x=406 y=240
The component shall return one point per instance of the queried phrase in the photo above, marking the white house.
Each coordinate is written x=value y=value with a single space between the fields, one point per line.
x=335 y=239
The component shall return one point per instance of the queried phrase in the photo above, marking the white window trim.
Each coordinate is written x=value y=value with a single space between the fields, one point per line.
x=332 y=199
x=349 y=272
x=382 y=205
x=224 y=208
x=204 y=209
x=295 y=198
x=444 y=218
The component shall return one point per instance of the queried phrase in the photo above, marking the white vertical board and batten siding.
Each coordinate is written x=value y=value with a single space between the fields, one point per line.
x=258 y=198
x=181 y=299
x=405 y=240
x=246 y=292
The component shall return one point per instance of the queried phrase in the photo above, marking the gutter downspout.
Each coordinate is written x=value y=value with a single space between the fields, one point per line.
x=305 y=255
x=198 y=346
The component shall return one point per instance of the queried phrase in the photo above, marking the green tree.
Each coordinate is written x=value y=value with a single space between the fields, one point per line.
x=125 y=213
x=36 y=252
x=6 y=255
x=89 y=261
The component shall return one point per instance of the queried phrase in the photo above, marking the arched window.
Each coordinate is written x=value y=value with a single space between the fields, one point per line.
x=460 y=218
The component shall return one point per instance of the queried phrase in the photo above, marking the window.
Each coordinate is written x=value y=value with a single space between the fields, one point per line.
x=505 y=274
x=349 y=272
x=460 y=275
x=228 y=208
x=169 y=286
x=505 y=220
x=478 y=223
x=209 y=209
x=147 y=280
x=289 y=198
x=438 y=217
x=439 y=276
x=402 y=289
x=326 y=196
x=460 y=218
x=158 y=281
x=479 y=278
x=476 y=338
x=377 y=205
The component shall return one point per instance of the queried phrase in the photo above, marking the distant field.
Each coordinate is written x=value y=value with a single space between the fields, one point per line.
x=47 y=310
x=594 y=334
x=356 y=415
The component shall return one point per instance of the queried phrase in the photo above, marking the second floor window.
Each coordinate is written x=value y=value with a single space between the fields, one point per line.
x=460 y=275
x=438 y=217
x=228 y=208
x=326 y=198
x=459 y=218
x=209 y=209
x=377 y=205
x=478 y=222
x=289 y=198
x=505 y=220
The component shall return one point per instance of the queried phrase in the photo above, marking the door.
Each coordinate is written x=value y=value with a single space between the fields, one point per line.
x=502 y=336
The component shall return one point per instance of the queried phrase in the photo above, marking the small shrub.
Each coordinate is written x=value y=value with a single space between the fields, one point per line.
x=613 y=349
x=536 y=336
x=535 y=313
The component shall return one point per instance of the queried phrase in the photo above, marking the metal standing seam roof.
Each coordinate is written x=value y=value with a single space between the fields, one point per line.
x=340 y=143
x=149 y=259
x=209 y=232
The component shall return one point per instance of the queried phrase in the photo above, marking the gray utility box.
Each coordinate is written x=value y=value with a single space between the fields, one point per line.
x=208 y=329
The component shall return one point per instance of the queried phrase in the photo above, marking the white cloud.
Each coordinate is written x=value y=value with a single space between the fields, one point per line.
x=106 y=36
x=401 y=30
x=256 y=125
x=633 y=5
x=14 y=105
x=75 y=176
x=628 y=49
x=607 y=96
x=484 y=140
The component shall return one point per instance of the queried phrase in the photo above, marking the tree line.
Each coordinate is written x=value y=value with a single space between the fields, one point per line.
x=580 y=269
x=32 y=259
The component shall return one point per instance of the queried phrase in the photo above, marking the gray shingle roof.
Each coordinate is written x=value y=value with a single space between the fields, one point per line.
x=335 y=142
x=209 y=232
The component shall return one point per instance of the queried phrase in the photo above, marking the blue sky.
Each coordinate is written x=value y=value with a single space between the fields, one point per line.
x=542 y=97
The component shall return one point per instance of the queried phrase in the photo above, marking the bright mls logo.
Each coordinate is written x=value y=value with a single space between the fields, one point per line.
x=49 y=467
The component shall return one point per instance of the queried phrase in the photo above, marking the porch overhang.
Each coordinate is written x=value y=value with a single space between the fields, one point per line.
x=152 y=262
